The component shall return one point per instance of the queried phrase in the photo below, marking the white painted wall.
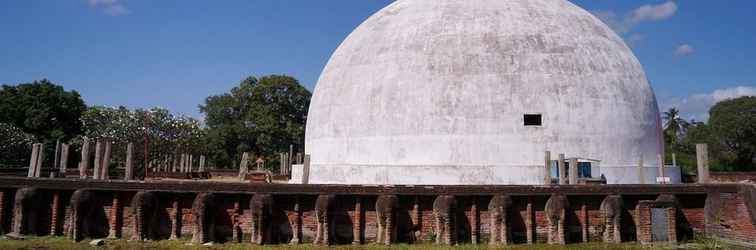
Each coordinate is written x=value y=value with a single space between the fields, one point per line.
x=434 y=92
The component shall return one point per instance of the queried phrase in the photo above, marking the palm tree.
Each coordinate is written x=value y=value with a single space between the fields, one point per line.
x=674 y=126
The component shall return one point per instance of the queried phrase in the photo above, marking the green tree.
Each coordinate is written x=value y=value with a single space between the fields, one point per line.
x=42 y=109
x=263 y=116
x=733 y=123
x=15 y=146
x=674 y=126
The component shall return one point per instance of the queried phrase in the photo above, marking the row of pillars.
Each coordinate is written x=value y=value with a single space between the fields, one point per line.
x=563 y=179
x=181 y=163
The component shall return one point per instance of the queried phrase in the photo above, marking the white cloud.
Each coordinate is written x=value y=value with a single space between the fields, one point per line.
x=624 y=24
x=110 y=7
x=684 y=50
x=697 y=106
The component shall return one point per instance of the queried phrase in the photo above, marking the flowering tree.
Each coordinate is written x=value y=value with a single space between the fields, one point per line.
x=15 y=146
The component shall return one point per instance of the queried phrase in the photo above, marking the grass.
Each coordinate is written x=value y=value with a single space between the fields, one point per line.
x=61 y=243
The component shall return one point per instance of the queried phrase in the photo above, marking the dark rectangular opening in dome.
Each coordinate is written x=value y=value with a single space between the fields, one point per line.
x=533 y=120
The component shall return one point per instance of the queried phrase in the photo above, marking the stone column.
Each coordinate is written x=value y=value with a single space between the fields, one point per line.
x=547 y=169
x=661 y=168
x=562 y=170
x=306 y=170
x=99 y=150
x=573 y=171
x=202 y=163
x=357 y=223
x=190 y=164
x=40 y=161
x=243 y=170
x=56 y=161
x=64 y=158
x=84 y=164
x=33 y=160
x=129 y=162
x=702 y=158
x=105 y=168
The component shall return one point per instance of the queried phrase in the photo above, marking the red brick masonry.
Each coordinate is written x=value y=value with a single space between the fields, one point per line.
x=722 y=210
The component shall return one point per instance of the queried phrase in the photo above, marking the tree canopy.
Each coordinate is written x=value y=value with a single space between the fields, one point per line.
x=263 y=116
x=42 y=109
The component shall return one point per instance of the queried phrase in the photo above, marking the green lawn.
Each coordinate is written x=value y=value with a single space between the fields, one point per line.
x=54 y=243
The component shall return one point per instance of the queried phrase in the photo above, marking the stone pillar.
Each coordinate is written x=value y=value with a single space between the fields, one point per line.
x=202 y=163
x=357 y=223
x=84 y=164
x=129 y=162
x=115 y=217
x=296 y=224
x=40 y=161
x=562 y=170
x=176 y=216
x=99 y=150
x=204 y=220
x=661 y=168
x=611 y=212
x=547 y=169
x=702 y=158
x=65 y=148
x=323 y=219
x=243 y=166
x=385 y=207
x=444 y=213
x=56 y=160
x=573 y=171
x=306 y=170
x=191 y=163
x=33 y=160
x=105 y=167
x=530 y=222
x=498 y=210
x=556 y=216
x=54 y=214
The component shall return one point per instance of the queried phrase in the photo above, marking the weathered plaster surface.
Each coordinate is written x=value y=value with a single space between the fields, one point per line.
x=434 y=92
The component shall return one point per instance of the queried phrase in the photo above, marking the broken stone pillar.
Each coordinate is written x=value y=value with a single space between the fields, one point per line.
x=573 y=171
x=84 y=164
x=25 y=209
x=702 y=158
x=323 y=219
x=129 y=162
x=56 y=160
x=261 y=206
x=202 y=163
x=498 y=210
x=611 y=213
x=40 y=160
x=105 y=167
x=203 y=210
x=385 y=207
x=83 y=203
x=145 y=207
x=33 y=160
x=562 y=170
x=296 y=224
x=556 y=215
x=243 y=166
x=547 y=169
x=444 y=213
x=65 y=149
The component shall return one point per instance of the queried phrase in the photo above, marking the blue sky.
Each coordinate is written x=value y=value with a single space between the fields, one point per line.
x=174 y=53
